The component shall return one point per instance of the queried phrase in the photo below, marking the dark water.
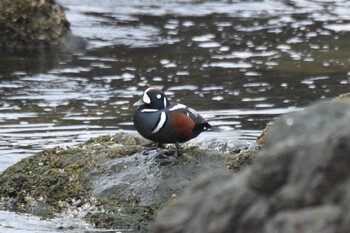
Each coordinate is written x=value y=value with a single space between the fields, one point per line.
x=239 y=63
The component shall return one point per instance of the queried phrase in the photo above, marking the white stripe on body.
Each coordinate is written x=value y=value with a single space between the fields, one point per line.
x=193 y=112
x=178 y=106
x=182 y=106
x=162 y=121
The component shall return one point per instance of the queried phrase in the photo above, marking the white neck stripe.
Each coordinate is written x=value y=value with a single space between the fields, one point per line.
x=164 y=100
x=149 y=110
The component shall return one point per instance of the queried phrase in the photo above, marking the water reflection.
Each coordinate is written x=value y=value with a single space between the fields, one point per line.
x=19 y=63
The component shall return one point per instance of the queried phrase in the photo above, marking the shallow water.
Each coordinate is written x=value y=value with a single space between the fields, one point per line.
x=240 y=64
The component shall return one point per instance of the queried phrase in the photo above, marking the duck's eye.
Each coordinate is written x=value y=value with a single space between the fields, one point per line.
x=159 y=96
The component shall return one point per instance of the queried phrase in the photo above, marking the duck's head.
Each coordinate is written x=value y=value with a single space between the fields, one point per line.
x=153 y=98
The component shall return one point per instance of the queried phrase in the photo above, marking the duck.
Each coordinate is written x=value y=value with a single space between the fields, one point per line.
x=163 y=122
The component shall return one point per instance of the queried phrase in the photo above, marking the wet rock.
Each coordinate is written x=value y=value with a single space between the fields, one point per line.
x=108 y=181
x=299 y=182
x=239 y=153
x=27 y=24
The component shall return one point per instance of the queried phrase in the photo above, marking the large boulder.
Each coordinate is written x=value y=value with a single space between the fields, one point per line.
x=27 y=24
x=299 y=182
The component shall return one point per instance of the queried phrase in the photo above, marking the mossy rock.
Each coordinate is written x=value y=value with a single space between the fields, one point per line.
x=51 y=177
x=28 y=24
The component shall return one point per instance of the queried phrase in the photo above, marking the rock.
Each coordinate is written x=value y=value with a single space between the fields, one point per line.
x=28 y=24
x=245 y=157
x=323 y=118
x=239 y=153
x=299 y=182
x=149 y=181
x=345 y=96
x=107 y=180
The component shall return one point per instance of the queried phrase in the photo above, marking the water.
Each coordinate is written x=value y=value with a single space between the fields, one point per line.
x=240 y=64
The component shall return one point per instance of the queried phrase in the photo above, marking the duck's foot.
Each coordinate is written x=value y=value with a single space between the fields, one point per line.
x=156 y=148
x=168 y=156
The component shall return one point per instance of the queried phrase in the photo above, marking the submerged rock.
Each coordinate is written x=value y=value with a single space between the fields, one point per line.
x=27 y=24
x=299 y=182
x=107 y=180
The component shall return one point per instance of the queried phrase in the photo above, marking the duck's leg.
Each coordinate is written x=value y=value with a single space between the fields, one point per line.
x=177 y=150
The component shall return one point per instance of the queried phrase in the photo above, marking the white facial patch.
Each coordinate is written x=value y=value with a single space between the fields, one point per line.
x=146 y=98
x=159 y=96
x=161 y=122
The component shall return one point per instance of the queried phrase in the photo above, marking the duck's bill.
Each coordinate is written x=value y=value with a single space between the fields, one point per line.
x=139 y=103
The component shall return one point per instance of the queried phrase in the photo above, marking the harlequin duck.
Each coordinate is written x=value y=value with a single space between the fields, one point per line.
x=163 y=122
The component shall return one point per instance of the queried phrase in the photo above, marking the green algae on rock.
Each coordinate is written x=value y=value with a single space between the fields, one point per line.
x=245 y=157
x=237 y=161
x=119 y=186
x=56 y=176
x=47 y=178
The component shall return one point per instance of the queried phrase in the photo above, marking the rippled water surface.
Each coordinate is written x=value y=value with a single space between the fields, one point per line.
x=240 y=64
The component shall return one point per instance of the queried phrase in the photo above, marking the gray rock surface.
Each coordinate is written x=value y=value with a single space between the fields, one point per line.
x=299 y=182
x=151 y=181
